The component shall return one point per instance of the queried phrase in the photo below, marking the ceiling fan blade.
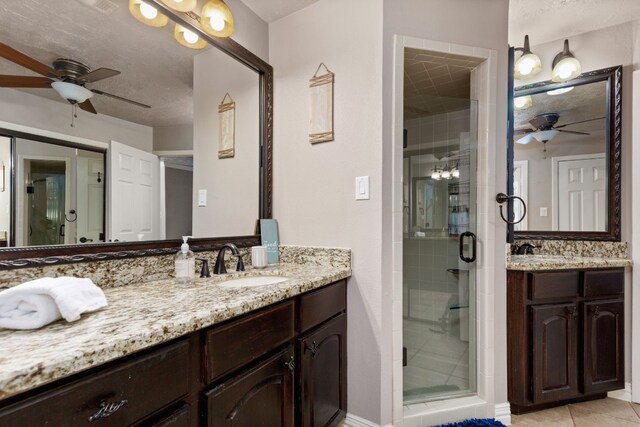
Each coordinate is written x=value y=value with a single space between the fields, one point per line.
x=20 y=58
x=525 y=139
x=582 y=121
x=87 y=106
x=522 y=131
x=25 y=81
x=99 y=74
x=139 y=104
x=572 y=131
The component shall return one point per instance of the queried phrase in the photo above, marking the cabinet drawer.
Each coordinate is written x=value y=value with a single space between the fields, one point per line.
x=138 y=387
x=237 y=343
x=554 y=285
x=603 y=282
x=318 y=306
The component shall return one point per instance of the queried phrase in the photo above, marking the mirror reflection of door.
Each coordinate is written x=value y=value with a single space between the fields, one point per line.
x=90 y=204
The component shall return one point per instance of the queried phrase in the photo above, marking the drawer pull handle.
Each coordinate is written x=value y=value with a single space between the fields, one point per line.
x=290 y=364
x=571 y=312
x=107 y=409
x=313 y=349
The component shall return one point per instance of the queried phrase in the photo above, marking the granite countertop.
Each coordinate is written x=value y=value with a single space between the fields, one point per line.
x=140 y=316
x=559 y=262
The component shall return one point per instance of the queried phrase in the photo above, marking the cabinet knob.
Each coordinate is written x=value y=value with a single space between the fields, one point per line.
x=313 y=349
x=107 y=409
x=290 y=364
x=573 y=312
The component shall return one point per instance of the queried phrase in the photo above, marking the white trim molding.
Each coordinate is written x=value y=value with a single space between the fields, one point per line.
x=356 y=421
x=624 y=394
x=503 y=413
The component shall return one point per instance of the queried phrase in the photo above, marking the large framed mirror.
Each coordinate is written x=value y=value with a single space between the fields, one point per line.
x=565 y=158
x=141 y=163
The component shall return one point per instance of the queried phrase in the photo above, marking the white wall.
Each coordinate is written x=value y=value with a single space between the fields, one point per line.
x=44 y=116
x=249 y=29
x=232 y=183
x=608 y=47
x=314 y=184
x=177 y=137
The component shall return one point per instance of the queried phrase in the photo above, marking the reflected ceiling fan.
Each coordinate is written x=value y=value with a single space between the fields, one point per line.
x=67 y=77
x=543 y=128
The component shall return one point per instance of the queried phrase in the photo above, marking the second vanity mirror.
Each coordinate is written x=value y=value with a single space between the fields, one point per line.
x=130 y=174
x=566 y=158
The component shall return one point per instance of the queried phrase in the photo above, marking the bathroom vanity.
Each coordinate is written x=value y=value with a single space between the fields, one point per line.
x=565 y=323
x=188 y=356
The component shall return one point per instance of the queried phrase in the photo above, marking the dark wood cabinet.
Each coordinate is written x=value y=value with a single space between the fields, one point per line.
x=323 y=393
x=245 y=371
x=603 y=345
x=554 y=332
x=260 y=396
x=565 y=336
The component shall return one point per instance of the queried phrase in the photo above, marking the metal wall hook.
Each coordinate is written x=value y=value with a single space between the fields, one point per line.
x=502 y=198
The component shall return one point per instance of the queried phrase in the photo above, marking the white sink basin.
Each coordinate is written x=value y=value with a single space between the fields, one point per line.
x=253 y=281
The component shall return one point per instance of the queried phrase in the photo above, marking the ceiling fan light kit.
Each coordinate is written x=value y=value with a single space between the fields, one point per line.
x=188 y=38
x=72 y=92
x=147 y=14
x=565 y=65
x=529 y=64
x=559 y=91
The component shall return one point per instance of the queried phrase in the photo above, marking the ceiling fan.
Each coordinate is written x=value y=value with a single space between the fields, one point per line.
x=545 y=129
x=67 y=77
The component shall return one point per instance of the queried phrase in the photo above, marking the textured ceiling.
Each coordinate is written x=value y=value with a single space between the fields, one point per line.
x=155 y=69
x=272 y=10
x=582 y=103
x=548 y=20
x=435 y=82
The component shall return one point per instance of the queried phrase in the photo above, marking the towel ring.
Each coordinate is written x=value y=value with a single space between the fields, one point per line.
x=72 y=212
x=501 y=198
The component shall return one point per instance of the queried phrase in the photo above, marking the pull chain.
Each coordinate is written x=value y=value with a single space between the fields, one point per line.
x=74 y=115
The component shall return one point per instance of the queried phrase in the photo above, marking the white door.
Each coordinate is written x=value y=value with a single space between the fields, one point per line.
x=520 y=189
x=134 y=194
x=90 y=200
x=581 y=193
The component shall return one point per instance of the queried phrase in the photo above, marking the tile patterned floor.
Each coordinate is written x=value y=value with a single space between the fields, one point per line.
x=597 y=413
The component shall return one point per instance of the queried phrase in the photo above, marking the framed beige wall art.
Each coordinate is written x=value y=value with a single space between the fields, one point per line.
x=321 y=106
x=226 y=128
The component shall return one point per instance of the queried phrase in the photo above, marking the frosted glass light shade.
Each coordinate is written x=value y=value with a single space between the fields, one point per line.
x=560 y=91
x=522 y=102
x=565 y=65
x=528 y=65
x=181 y=5
x=72 y=92
x=188 y=38
x=143 y=12
x=216 y=18
x=545 y=135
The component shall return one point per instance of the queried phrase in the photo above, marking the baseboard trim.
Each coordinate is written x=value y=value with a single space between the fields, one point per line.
x=503 y=413
x=356 y=421
x=622 y=394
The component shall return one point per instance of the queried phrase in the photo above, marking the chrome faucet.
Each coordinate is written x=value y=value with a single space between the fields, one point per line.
x=220 y=268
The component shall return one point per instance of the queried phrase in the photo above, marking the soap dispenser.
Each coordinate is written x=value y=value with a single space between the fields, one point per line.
x=185 y=264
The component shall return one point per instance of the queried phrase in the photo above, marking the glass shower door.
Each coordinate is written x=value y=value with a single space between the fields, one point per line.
x=439 y=250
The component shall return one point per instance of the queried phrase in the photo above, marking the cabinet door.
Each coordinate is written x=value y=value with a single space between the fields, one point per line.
x=603 y=345
x=260 y=396
x=323 y=374
x=554 y=352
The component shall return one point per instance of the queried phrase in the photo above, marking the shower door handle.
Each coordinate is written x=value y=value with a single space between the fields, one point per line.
x=473 y=247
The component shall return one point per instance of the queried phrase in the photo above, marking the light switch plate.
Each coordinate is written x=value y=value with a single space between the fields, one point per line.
x=362 y=188
x=543 y=212
x=202 y=198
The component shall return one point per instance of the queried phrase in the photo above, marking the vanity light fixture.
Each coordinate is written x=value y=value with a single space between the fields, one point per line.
x=147 y=14
x=560 y=91
x=522 y=102
x=216 y=18
x=455 y=172
x=565 y=65
x=435 y=174
x=528 y=65
x=446 y=173
x=181 y=5
x=188 y=38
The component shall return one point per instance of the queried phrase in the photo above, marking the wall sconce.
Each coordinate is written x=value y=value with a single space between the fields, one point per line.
x=216 y=18
x=188 y=38
x=528 y=65
x=147 y=14
x=565 y=65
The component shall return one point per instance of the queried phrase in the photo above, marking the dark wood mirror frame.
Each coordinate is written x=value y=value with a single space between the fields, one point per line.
x=613 y=77
x=39 y=256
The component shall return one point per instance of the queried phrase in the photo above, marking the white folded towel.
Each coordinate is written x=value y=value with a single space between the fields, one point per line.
x=34 y=304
